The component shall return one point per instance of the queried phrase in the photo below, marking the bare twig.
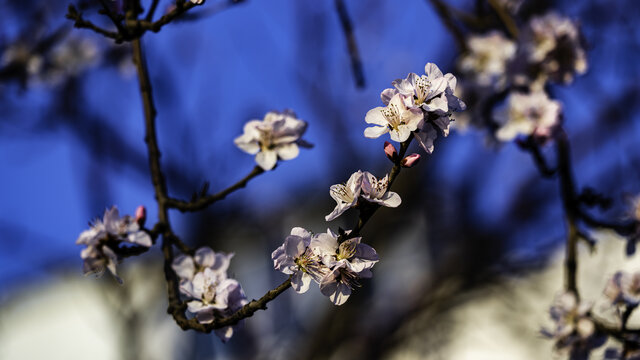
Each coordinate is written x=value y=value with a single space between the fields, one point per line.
x=449 y=22
x=505 y=17
x=203 y=202
x=354 y=54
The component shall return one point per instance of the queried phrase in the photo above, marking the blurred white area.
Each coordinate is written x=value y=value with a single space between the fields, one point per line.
x=73 y=317
x=79 y=318
x=503 y=321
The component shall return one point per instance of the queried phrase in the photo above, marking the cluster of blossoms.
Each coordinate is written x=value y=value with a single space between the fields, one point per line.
x=69 y=57
x=277 y=136
x=104 y=238
x=418 y=105
x=624 y=289
x=549 y=49
x=573 y=331
x=210 y=294
x=335 y=262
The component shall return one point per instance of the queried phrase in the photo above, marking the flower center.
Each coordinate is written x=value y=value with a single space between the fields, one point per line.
x=342 y=192
x=392 y=114
x=347 y=249
x=422 y=87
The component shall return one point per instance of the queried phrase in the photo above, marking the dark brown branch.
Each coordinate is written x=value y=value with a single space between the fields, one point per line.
x=369 y=209
x=112 y=16
x=152 y=10
x=505 y=17
x=203 y=202
x=354 y=54
x=449 y=22
x=81 y=23
x=530 y=145
x=134 y=28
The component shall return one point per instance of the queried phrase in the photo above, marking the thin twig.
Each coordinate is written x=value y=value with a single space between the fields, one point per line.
x=152 y=10
x=505 y=17
x=449 y=22
x=203 y=202
x=354 y=54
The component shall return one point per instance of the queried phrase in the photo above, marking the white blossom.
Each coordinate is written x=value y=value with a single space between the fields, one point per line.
x=104 y=237
x=375 y=190
x=294 y=257
x=211 y=294
x=624 y=288
x=396 y=118
x=554 y=44
x=573 y=329
x=487 y=58
x=349 y=261
x=277 y=136
x=527 y=114
x=345 y=195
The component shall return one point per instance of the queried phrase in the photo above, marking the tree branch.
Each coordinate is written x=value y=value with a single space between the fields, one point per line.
x=354 y=54
x=203 y=202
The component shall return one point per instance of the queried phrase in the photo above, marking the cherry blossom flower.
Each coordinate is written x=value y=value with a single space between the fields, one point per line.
x=624 y=289
x=487 y=59
x=528 y=114
x=375 y=190
x=396 y=118
x=349 y=261
x=104 y=237
x=294 y=257
x=554 y=45
x=211 y=295
x=345 y=195
x=574 y=330
x=277 y=136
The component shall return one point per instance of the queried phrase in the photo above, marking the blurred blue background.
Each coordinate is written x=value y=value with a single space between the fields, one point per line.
x=72 y=147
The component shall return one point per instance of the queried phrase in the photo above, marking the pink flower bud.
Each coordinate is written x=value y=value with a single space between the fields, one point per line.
x=410 y=160
x=141 y=215
x=390 y=151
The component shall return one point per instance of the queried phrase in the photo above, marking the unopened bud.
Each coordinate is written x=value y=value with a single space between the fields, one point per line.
x=410 y=160
x=141 y=215
x=390 y=151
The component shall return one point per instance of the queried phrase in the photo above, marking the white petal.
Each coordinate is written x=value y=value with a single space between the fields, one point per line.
x=391 y=199
x=300 y=282
x=375 y=132
x=267 y=159
x=387 y=94
x=288 y=151
x=374 y=116
x=432 y=71
x=183 y=266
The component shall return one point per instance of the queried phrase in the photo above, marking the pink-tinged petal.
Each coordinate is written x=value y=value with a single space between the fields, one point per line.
x=375 y=116
x=300 y=282
x=410 y=160
x=141 y=215
x=432 y=71
x=390 y=151
x=288 y=151
x=267 y=159
x=387 y=94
